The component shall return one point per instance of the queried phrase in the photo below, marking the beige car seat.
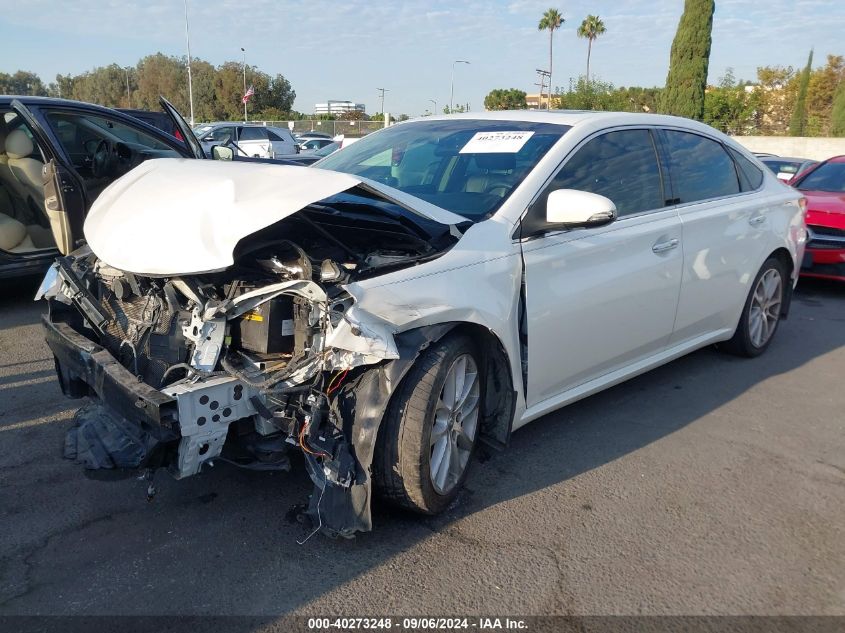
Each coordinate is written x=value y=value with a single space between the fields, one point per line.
x=27 y=171
x=12 y=185
x=13 y=235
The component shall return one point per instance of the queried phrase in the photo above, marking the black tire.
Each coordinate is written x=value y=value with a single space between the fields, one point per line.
x=402 y=460
x=742 y=344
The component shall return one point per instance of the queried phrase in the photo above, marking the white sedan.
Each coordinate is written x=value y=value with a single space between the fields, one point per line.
x=440 y=283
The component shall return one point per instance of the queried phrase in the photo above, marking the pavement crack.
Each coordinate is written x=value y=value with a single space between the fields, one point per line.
x=27 y=557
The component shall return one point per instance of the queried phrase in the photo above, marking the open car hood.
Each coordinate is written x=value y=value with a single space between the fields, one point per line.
x=173 y=216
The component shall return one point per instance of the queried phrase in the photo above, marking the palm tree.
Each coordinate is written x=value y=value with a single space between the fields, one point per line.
x=590 y=28
x=551 y=20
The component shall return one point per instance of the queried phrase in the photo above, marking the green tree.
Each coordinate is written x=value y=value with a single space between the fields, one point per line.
x=798 y=121
x=837 y=116
x=505 y=99
x=593 y=94
x=22 y=82
x=551 y=21
x=590 y=29
x=729 y=107
x=104 y=85
x=689 y=61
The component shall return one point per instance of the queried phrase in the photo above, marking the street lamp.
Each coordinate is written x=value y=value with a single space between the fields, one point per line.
x=245 y=100
x=190 y=81
x=452 y=89
x=382 y=91
x=435 y=105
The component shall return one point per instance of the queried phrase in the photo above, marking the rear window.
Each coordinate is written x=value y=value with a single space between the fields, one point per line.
x=253 y=134
x=750 y=176
x=701 y=168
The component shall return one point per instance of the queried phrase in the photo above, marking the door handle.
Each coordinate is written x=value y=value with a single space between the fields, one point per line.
x=662 y=247
x=757 y=220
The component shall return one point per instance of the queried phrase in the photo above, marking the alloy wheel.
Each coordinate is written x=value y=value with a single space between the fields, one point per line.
x=765 y=307
x=455 y=424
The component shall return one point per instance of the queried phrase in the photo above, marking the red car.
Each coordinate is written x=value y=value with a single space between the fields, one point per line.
x=824 y=187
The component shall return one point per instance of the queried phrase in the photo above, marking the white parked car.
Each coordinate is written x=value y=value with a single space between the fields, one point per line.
x=438 y=284
x=254 y=141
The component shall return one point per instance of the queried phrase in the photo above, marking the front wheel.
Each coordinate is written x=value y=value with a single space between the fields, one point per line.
x=762 y=311
x=430 y=430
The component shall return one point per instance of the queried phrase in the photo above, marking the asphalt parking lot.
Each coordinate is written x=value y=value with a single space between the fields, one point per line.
x=713 y=485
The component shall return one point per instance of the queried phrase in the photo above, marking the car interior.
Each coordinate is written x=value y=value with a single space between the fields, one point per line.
x=24 y=225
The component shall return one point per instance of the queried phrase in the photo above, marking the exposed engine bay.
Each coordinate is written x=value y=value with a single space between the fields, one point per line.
x=248 y=363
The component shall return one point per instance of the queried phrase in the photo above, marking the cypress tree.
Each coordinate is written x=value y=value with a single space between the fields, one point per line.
x=837 y=115
x=799 y=114
x=690 y=58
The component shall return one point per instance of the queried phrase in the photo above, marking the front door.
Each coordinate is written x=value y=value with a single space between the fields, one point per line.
x=599 y=300
x=87 y=149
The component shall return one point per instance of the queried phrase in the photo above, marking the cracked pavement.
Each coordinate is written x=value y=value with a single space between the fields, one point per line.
x=713 y=485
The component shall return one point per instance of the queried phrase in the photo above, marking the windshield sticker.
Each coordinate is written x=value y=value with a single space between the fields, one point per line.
x=496 y=142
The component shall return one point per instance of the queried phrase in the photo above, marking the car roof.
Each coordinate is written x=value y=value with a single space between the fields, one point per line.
x=577 y=118
x=29 y=100
x=241 y=123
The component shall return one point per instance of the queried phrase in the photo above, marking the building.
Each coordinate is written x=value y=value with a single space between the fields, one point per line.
x=338 y=107
x=537 y=101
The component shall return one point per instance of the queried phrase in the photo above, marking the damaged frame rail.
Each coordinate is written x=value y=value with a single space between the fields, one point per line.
x=329 y=404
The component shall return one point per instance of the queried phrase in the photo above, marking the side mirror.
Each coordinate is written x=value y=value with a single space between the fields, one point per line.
x=579 y=209
x=219 y=152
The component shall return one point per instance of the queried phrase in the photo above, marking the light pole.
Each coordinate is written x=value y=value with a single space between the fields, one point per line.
x=190 y=81
x=244 y=97
x=435 y=106
x=128 y=97
x=382 y=91
x=452 y=88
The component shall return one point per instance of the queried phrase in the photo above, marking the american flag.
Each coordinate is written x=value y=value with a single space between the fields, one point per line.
x=248 y=94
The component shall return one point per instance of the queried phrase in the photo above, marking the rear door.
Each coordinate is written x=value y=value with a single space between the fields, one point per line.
x=254 y=142
x=725 y=232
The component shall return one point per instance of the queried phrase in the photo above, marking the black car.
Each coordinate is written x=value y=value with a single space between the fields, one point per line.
x=56 y=156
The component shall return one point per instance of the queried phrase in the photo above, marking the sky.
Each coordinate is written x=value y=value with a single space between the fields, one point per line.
x=347 y=49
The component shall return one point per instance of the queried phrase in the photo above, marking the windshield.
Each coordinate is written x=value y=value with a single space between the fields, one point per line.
x=827 y=177
x=466 y=166
x=327 y=149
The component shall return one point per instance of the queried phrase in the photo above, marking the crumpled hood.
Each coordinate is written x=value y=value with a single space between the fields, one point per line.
x=175 y=216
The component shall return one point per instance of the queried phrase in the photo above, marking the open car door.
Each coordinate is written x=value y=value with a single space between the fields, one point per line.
x=64 y=199
x=183 y=127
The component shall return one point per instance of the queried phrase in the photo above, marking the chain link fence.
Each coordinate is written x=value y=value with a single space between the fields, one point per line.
x=354 y=129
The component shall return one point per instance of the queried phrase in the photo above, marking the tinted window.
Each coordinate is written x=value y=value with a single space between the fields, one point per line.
x=621 y=166
x=221 y=134
x=701 y=169
x=273 y=136
x=827 y=177
x=750 y=176
x=253 y=134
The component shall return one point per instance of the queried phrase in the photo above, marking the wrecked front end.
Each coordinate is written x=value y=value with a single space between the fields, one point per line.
x=246 y=364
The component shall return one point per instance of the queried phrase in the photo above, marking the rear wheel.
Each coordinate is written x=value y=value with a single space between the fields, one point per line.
x=430 y=429
x=762 y=311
